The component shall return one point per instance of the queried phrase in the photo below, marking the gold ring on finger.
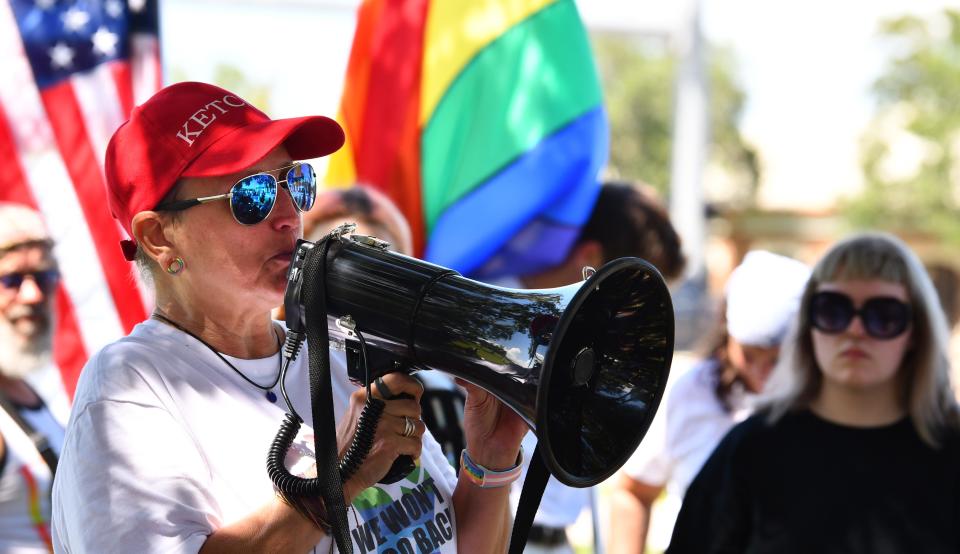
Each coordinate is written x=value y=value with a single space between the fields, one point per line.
x=408 y=427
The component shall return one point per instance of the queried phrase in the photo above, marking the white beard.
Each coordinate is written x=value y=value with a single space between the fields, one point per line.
x=19 y=355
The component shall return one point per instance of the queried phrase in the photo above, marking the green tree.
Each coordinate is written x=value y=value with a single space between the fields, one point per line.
x=638 y=83
x=911 y=148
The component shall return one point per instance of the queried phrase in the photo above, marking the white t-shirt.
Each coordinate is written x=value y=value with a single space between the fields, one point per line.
x=166 y=444
x=687 y=427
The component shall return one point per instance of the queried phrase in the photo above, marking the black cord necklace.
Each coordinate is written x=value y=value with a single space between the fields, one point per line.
x=271 y=396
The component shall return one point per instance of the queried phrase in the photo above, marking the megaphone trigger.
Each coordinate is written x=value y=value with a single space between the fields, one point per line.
x=382 y=389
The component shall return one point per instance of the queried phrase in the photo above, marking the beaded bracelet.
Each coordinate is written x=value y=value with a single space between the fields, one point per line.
x=488 y=478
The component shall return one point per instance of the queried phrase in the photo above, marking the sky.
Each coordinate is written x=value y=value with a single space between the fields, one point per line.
x=806 y=68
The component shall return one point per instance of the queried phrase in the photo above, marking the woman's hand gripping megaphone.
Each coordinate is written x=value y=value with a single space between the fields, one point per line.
x=399 y=430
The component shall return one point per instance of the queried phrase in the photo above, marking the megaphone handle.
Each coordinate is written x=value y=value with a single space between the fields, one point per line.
x=402 y=466
x=363 y=440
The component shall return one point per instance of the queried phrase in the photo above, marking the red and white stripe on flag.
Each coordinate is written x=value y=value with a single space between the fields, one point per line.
x=72 y=73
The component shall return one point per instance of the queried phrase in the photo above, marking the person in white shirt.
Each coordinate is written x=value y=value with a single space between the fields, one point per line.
x=31 y=433
x=762 y=296
x=171 y=425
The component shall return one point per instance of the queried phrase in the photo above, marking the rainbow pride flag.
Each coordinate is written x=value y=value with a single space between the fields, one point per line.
x=483 y=120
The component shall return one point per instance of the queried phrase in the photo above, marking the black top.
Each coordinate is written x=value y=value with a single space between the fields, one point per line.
x=807 y=485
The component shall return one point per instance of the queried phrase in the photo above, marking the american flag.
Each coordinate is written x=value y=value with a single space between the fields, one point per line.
x=72 y=72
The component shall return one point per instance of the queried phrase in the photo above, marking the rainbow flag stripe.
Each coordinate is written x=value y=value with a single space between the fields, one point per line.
x=483 y=120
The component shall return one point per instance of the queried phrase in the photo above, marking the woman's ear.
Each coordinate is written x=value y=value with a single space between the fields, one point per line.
x=587 y=253
x=149 y=230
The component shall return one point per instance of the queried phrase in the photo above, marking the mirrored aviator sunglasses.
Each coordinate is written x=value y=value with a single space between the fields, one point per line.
x=252 y=198
x=882 y=317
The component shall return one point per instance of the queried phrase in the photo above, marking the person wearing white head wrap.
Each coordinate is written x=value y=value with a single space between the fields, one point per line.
x=31 y=434
x=762 y=298
x=763 y=293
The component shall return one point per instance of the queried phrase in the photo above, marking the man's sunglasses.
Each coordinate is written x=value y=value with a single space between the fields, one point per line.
x=46 y=280
x=882 y=317
x=252 y=198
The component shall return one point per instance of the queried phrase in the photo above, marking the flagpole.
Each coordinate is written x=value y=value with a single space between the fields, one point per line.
x=690 y=132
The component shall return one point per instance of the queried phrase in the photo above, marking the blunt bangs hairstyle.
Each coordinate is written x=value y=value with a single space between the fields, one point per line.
x=925 y=369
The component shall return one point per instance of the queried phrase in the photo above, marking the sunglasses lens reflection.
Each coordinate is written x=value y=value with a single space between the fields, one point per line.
x=47 y=280
x=12 y=280
x=253 y=198
x=302 y=184
x=831 y=312
x=885 y=317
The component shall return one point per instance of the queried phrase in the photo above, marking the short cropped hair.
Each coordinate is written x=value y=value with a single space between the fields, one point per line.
x=627 y=221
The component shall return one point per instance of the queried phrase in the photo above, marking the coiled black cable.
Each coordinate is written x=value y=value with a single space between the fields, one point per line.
x=286 y=482
x=359 y=447
x=290 y=484
x=283 y=480
x=362 y=437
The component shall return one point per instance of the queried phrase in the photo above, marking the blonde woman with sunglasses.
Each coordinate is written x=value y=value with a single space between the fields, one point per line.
x=858 y=448
x=167 y=444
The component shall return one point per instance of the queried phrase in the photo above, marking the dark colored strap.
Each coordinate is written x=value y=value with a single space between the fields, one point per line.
x=321 y=396
x=547 y=536
x=533 y=486
x=40 y=442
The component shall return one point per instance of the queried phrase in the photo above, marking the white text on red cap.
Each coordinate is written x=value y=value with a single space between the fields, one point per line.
x=203 y=117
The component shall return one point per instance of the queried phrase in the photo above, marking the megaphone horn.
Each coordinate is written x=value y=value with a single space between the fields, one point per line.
x=584 y=365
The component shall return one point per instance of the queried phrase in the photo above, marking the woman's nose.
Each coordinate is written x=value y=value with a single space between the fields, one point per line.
x=856 y=327
x=285 y=213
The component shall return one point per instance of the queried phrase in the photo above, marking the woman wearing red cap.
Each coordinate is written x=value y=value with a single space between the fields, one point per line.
x=171 y=425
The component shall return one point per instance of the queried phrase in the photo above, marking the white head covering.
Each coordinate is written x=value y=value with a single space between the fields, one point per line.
x=763 y=294
x=20 y=224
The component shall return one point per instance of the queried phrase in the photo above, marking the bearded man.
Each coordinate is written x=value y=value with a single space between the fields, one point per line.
x=30 y=434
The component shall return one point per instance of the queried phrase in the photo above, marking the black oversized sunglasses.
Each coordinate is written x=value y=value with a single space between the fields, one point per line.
x=46 y=280
x=253 y=197
x=883 y=317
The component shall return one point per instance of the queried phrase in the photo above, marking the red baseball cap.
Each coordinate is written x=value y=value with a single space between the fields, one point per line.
x=199 y=130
